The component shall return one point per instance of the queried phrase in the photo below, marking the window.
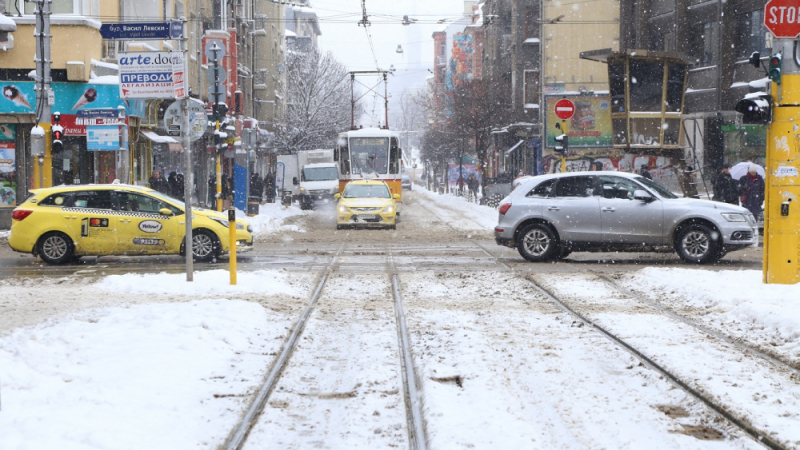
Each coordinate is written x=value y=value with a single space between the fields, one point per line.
x=575 y=187
x=703 y=43
x=647 y=82
x=56 y=199
x=543 y=189
x=81 y=7
x=531 y=87
x=616 y=82
x=532 y=22
x=616 y=187
x=129 y=201
x=750 y=34
x=92 y=199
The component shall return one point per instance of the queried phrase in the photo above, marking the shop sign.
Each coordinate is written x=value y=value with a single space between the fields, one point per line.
x=151 y=75
x=8 y=166
x=19 y=97
x=589 y=126
x=76 y=126
x=102 y=138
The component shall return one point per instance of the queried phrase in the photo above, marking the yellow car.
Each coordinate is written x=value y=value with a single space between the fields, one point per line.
x=367 y=203
x=63 y=223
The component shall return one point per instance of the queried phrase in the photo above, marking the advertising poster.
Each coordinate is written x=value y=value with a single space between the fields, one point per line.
x=102 y=138
x=8 y=166
x=589 y=127
x=150 y=74
x=20 y=98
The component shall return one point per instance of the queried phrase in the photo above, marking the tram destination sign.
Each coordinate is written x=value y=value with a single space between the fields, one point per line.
x=138 y=31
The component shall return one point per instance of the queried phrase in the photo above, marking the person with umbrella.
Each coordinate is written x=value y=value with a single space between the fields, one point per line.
x=752 y=191
x=726 y=189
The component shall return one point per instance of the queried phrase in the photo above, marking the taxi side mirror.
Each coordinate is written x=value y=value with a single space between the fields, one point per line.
x=165 y=212
x=396 y=197
x=337 y=195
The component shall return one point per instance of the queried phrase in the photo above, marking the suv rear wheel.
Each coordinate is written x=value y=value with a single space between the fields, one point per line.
x=698 y=244
x=537 y=243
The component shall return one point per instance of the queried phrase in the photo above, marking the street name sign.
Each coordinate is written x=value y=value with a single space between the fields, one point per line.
x=564 y=108
x=136 y=31
x=151 y=75
x=782 y=18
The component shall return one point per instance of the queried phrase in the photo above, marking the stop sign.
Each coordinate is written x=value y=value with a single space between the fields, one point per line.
x=565 y=109
x=782 y=18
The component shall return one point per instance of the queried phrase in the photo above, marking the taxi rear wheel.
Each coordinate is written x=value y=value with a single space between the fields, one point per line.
x=204 y=245
x=56 y=248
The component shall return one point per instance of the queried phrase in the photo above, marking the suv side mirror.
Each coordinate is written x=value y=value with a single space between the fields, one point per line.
x=642 y=195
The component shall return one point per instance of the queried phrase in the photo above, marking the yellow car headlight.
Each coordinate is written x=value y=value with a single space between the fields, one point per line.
x=343 y=209
x=388 y=209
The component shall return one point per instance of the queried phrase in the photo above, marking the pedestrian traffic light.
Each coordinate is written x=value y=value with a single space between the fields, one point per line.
x=756 y=108
x=58 y=133
x=775 y=62
x=562 y=144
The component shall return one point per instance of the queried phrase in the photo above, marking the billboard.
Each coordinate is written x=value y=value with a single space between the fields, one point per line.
x=19 y=97
x=589 y=127
x=150 y=74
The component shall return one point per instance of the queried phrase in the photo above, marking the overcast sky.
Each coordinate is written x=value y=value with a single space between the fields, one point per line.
x=350 y=44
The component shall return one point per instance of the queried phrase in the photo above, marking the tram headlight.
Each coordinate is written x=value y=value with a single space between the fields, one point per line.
x=343 y=209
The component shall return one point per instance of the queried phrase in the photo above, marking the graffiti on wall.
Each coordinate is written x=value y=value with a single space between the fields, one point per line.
x=658 y=166
x=460 y=66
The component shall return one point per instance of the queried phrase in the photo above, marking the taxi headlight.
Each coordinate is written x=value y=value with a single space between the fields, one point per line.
x=343 y=209
x=222 y=222
x=239 y=226
x=734 y=217
x=388 y=209
x=249 y=228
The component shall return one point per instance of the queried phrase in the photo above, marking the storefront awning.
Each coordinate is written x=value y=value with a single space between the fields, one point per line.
x=157 y=138
x=514 y=147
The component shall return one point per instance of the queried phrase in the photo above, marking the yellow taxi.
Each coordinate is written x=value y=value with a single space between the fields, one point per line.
x=63 y=223
x=367 y=203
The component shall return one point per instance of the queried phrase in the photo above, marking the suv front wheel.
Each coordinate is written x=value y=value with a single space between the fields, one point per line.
x=698 y=244
x=537 y=243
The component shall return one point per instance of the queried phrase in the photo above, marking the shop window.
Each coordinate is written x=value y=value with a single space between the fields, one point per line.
x=750 y=34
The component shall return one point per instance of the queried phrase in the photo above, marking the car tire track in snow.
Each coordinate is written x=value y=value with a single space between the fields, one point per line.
x=743 y=424
x=239 y=434
x=738 y=343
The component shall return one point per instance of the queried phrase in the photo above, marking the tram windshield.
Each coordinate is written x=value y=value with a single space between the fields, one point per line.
x=369 y=155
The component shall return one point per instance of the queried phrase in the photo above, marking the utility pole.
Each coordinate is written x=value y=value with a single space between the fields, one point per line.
x=188 y=172
x=44 y=94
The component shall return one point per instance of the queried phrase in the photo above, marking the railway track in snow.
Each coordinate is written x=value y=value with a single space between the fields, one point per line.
x=411 y=396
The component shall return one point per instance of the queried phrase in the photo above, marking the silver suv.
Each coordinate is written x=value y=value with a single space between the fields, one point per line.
x=549 y=216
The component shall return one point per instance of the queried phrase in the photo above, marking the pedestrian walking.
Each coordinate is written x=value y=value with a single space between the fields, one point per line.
x=212 y=191
x=752 y=191
x=177 y=191
x=158 y=183
x=269 y=187
x=172 y=182
x=472 y=185
x=726 y=189
x=256 y=187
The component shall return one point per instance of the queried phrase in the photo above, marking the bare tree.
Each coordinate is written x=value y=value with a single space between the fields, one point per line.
x=318 y=104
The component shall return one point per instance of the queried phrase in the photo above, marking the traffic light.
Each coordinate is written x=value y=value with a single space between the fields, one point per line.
x=756 y=108
x=219 y=110
x=562 y=144
x=775 y=62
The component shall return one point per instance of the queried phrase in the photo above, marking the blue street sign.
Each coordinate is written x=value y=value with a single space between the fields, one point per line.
x=107 y=113
x=142 y=31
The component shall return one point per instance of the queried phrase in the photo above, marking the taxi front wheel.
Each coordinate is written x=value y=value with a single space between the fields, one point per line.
x=204 y=245
x=55 y=248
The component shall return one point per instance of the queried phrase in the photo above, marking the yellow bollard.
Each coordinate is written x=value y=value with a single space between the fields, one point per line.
x=232 y=233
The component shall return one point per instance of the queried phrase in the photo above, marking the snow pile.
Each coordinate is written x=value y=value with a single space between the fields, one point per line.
x=731 y=296
x=211 y=282
x=271 y=218
x=147 y=376
x=459 y=212
x=5 y=235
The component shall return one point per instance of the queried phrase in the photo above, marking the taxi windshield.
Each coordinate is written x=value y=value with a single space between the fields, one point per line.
x=366 y=191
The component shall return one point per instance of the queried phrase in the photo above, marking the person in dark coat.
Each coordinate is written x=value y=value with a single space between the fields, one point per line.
x=726 y=189
x=177 y=190
x=645 y=173
x=212 y=191
x=172 y=181
x=269 y=187
x=157 y=183
x=752 y=191
x=256 y=187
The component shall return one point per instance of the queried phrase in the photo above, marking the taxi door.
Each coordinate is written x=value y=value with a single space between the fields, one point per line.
x=91 y=223
x=142 y=229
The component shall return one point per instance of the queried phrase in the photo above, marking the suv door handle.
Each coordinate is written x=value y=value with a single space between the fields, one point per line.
x=553 y=208
x=608 y=209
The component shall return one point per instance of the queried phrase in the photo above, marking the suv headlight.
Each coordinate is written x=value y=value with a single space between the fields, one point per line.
x=734 y=217
x=222 y=222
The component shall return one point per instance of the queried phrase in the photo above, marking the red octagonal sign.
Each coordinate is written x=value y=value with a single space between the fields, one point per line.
x=782 y=18
x=565 y=108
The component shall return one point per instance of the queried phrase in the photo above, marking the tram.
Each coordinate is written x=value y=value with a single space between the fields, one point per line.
x=369 y=153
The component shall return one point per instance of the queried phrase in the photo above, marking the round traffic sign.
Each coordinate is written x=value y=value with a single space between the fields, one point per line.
x=782 y=18
x=565 y=108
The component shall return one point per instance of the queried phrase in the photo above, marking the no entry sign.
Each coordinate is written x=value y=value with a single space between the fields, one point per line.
x=782 y=18
x=565 y=109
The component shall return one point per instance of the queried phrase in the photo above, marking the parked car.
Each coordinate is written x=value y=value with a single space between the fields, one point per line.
x=405 y=182
x=496 y=189
x=63 y=223
x=550 y=216
x=367 y=203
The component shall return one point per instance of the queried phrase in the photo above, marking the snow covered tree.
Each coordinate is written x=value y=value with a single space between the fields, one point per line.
x=318 y=104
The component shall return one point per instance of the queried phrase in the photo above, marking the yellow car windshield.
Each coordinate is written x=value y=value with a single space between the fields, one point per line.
x=366 y=191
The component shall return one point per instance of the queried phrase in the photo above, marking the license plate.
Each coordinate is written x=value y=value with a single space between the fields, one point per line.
x=367 y=217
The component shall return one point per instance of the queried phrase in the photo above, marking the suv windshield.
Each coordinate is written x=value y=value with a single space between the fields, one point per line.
x=366 y=191
x=320 y=174
x=656 y=187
